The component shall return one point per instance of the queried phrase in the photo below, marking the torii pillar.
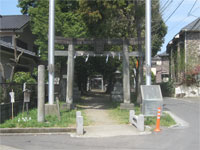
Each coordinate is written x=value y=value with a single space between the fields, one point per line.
x=70 y=78
x=126 y=79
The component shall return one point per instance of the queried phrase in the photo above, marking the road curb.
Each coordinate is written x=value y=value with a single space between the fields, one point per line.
x=180 y=123
x=36 y=130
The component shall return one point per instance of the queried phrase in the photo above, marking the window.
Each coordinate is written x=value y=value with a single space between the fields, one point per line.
x=22 y=44
x=7 y=39
x=159 y=63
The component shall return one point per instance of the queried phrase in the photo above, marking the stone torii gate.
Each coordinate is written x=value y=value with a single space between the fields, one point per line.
x=99 y=51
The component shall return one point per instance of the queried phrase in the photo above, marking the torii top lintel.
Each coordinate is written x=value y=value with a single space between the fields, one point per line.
x=97 y=41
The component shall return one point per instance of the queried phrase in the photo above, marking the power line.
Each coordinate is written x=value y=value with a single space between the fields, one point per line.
x=192 y=7
x=188 y=15
x=174 y=10
x=196 y=9
x=166 y=6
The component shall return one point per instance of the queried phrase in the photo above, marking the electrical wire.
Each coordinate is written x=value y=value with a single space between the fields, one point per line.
x=174 y=11
x=163 y=7
x=192 y=7
x=166 y=7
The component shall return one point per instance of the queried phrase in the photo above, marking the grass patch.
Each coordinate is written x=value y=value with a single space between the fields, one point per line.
x=165 y=120
x=68 y=119
x=86 y=120
x=122 y=116
x=22 y=120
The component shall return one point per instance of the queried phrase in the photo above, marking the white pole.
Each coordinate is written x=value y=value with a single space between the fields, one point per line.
x=148 y=41
x=51 y=51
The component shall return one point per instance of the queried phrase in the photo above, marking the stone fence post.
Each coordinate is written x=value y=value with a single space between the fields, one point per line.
x=41 y=93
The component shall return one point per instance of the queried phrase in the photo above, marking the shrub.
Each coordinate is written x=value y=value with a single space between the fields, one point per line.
x=22 y=77
x=167 y=88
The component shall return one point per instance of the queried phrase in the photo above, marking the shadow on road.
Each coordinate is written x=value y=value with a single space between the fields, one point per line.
x=96 y=100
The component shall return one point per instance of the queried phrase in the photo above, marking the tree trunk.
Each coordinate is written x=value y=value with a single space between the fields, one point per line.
x=139 y=79
x=16 y=59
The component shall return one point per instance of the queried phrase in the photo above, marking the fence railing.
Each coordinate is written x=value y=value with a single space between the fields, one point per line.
x=5 y=104
x=5 y=88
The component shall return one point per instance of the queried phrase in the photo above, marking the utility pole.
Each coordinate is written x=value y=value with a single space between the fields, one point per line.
x=148 y=41
x=51 y=51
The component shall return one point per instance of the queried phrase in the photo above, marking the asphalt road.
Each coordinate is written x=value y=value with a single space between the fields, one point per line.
x=177 y=138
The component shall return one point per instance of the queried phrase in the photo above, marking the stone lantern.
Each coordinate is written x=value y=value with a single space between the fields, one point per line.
x=117 y=93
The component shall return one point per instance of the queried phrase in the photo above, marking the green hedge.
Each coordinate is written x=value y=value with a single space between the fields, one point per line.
x=167 y=89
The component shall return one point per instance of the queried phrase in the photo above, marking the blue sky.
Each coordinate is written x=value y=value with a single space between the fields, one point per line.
x=175 y=23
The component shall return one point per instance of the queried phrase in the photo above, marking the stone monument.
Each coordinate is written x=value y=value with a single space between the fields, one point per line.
x=151 y=99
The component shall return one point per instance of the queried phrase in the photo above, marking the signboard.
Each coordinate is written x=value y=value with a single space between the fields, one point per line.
x=12 y=97
x=27 y=96
x=151 y=99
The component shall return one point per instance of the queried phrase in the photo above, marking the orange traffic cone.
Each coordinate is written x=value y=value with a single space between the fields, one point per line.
x=157 y=129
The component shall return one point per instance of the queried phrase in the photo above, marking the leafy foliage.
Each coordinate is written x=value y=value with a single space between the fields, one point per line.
x=22 y=77
x=167 y=88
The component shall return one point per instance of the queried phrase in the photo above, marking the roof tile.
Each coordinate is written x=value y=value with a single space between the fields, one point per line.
x=13 y=22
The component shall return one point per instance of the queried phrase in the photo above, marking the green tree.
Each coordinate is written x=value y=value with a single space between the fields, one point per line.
x=100 y=19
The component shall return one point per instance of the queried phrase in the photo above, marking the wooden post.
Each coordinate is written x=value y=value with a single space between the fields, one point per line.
x=12 y=99
x=12 y=111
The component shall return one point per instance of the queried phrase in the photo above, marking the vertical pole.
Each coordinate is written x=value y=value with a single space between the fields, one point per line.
x=41 y=93
x=70 y=74
x=148 y=41
x=12 y=112
x=126 y=73
x=51 y=51
x=102 y=88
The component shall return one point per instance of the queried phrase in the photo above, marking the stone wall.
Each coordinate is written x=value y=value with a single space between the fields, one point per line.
x=187 y=91
x=192 y=49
